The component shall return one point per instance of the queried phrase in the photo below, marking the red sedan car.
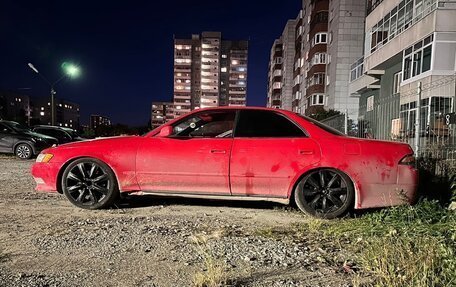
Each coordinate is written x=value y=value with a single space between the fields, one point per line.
x=235 y=153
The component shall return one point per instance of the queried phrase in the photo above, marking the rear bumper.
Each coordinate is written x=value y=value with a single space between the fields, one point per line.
x=404 y=191
x=45 y=176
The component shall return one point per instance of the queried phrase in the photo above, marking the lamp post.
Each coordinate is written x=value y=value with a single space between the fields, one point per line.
x=70 y=71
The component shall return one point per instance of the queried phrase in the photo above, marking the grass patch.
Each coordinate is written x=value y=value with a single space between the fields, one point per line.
x=214 y=273
x=399 y=246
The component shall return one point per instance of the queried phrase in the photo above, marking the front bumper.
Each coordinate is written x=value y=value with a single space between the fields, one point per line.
x=45 y=176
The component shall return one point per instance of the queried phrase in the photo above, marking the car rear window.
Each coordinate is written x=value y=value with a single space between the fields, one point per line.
x=323 y=126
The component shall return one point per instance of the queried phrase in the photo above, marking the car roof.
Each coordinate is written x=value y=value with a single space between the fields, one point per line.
x=53 y=127
x=5 y=121
x=224 y=108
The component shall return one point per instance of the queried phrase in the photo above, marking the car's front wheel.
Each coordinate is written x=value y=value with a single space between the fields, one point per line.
x=90 y=183
x=24 y=151
x=325 y=193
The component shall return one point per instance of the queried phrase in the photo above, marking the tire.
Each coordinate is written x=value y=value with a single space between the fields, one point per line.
x=23 y=151
x=325 y=193
x=90 y=184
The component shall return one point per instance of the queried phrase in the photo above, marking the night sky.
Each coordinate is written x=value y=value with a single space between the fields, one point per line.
x=125 y=48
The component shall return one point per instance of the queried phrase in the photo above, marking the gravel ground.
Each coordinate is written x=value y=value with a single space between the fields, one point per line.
x=149 y=241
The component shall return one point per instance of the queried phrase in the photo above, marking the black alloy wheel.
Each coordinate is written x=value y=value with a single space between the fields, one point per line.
x=90 y=183
x=24 y=151
x=325 y=193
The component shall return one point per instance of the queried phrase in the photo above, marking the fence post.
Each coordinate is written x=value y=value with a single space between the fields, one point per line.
x=346 y=122
x=418 y=121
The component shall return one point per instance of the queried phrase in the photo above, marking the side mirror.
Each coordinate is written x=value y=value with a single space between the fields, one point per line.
x=165 y=131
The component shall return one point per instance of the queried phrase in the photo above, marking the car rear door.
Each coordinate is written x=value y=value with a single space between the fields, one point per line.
x=194 y=159
x=269 y=151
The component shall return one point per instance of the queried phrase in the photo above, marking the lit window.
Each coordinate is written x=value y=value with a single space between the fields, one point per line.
x=223 y=69
x=223 y=56
x=41 y=113
x=234 y=62
x=42 y=108
x=370 y=104
x=397 y=82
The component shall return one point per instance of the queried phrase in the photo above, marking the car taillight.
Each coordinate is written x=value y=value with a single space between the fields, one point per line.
x=408 y=160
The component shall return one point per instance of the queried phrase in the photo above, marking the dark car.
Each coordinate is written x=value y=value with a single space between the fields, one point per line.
x=62 y=134
x=20 y=140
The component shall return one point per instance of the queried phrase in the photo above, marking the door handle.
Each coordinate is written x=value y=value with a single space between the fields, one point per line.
x=305 y=151
x=218 y=151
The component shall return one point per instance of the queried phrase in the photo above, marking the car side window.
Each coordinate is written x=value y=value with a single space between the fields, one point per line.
x=207 y=125
x=40 y=131
x=261 y=123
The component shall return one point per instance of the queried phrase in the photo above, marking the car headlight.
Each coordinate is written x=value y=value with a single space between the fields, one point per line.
x=44 y=157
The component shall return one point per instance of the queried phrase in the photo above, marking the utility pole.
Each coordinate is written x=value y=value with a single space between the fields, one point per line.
x=346 y=121
x=418 y=120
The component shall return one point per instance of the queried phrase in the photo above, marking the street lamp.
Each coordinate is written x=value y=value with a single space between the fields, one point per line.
x=70 y=70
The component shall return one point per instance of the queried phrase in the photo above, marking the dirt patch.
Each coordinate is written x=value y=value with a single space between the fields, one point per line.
x=146 y=241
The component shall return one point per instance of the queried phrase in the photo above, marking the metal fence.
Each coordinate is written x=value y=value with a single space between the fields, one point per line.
x=419 y=114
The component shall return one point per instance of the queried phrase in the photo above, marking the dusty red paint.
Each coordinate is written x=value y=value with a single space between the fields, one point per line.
x=243 y=166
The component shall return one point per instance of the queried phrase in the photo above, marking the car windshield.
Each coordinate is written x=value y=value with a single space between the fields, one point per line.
x=323 y=126
x=17 y=127
x=74 y=134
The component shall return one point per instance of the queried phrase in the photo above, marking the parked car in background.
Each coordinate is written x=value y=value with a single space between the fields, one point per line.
x=62 y=134
x=235 y=153
x=20 y=140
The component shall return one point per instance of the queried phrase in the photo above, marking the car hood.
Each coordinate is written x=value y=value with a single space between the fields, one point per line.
x=109 y=141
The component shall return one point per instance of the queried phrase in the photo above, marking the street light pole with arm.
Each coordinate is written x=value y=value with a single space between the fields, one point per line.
x=70 y=71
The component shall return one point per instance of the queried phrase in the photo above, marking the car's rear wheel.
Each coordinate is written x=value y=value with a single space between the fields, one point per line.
x=23 y=151
x=325 y=193
x=90 y=183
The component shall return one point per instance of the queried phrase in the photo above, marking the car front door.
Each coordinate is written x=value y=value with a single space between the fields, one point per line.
x=7 y=139
x=193 y=159
x=268 y=152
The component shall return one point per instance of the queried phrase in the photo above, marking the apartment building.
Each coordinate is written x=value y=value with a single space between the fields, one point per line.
x=328 y=38
x=15 y=107
x=67 y=114
x=209 y=72
x=280 y=75
x=162 y=112
x=410 y=48
x=97 y=121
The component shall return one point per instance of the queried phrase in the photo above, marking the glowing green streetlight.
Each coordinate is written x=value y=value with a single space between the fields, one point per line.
x=71 y=70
